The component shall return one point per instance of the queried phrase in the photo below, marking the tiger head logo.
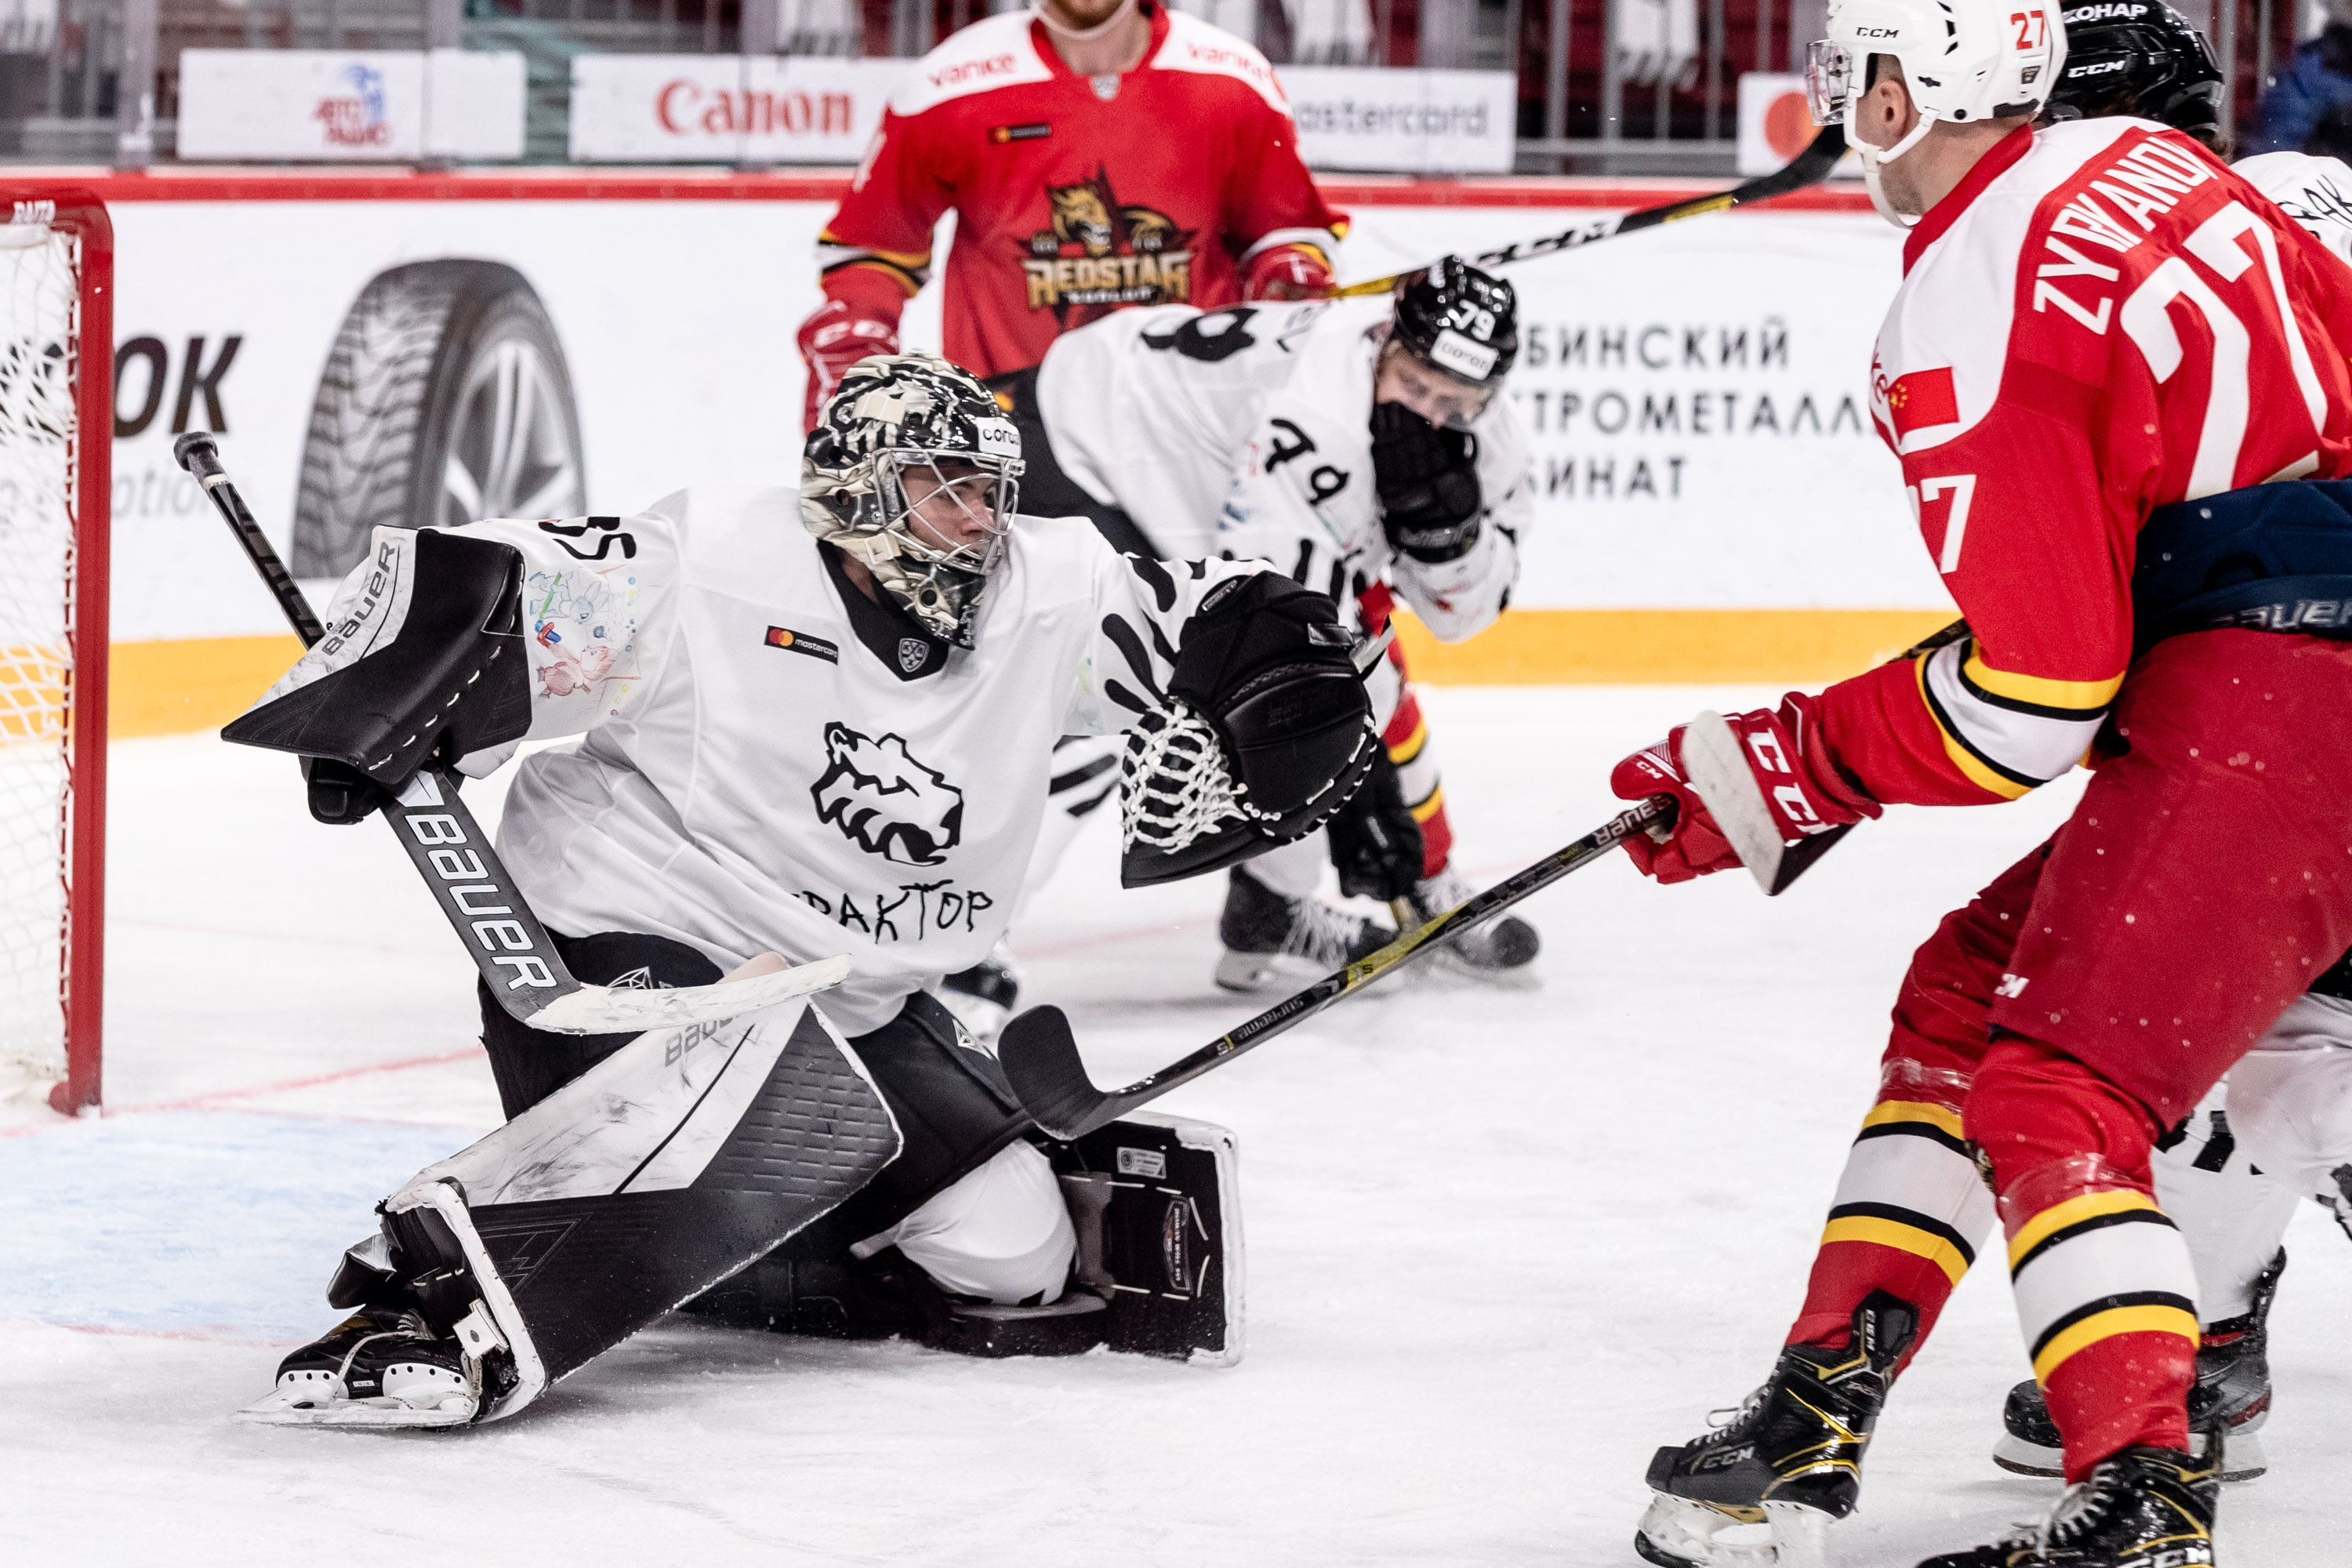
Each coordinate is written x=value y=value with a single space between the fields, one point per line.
x=885 y=801
x=1083 y=215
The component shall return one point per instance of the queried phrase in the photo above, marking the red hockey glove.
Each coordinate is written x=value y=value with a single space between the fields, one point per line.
x=836 y=335
x=1805 y=792
x=1287 y=272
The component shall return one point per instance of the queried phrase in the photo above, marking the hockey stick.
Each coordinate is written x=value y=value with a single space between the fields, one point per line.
x=1734 y=798
x=1040 y=1055
x=1809 y=167
x=519 y=964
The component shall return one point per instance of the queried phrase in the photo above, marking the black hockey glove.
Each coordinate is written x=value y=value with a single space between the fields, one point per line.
x=340 y=793
x=1267 y=662
x=1428 y=484
x=1375 y=842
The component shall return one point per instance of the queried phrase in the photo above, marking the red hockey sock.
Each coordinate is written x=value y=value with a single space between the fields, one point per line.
x=2105 y=1294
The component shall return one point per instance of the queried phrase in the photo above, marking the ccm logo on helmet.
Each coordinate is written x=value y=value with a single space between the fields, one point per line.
x=1877 y=32
x=2098 y=68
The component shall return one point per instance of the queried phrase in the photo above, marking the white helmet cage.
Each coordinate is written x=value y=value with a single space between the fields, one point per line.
x=1963 y=61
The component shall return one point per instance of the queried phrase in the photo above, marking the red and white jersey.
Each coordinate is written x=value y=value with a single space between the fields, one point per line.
x=1077 y=195
x=2100 y=320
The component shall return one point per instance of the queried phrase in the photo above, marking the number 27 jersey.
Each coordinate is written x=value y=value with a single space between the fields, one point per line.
x=2102 y=318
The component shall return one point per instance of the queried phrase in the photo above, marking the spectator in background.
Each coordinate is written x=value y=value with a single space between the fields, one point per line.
x=2308 y=106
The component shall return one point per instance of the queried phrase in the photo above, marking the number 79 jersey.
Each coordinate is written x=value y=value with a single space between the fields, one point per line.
x=2100 y=320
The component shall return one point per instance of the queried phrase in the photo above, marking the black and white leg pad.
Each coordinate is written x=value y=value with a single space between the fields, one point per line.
x=1157 y=1204
x=663 y=1169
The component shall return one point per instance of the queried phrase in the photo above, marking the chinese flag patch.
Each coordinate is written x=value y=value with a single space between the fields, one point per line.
x=1923 y=400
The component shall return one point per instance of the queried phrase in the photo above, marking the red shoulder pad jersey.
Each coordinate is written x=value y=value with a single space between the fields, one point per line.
x=2102 y=318
x=1074 y=196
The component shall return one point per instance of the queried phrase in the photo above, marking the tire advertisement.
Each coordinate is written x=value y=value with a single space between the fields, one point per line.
x=1696 y=394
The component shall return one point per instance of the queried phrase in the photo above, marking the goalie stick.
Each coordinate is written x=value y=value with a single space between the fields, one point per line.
x=1040 y=1055
x=1809 y=167
x=519 y=964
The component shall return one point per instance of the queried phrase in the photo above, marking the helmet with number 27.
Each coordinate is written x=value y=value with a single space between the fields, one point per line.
x=1963 y=61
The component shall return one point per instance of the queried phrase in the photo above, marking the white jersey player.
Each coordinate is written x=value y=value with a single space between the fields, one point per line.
x=1360 y=447
x=809 y=723
x=2278 y=1129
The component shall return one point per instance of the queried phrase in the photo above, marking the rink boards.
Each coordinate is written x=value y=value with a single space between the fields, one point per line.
x=1711 y=501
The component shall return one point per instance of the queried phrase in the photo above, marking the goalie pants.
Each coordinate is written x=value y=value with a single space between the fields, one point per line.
x=2085 y=1001
x=966 y=1198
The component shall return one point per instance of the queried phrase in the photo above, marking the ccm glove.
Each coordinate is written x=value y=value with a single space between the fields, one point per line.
x=1287 y=272
x=1428 y=484
x=1801 y=789
x=845 y=328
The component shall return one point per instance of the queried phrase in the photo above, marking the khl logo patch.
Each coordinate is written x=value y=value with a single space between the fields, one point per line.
x=913 y=654
x=885 y=801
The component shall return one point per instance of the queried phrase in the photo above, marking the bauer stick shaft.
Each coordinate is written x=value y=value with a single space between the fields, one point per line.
x=1040 y=1055
x=1809 y=167
x=518 y=960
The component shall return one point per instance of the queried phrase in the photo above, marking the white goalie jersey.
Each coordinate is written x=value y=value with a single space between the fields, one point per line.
x=771 y=761
x=1245 y=432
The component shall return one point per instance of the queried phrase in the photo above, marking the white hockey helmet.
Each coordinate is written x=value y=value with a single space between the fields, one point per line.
x=1963 y=60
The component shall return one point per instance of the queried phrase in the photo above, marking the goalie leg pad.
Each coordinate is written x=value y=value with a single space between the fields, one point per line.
x=530 y=1064
x=663 y=1169
x=1157 y=1203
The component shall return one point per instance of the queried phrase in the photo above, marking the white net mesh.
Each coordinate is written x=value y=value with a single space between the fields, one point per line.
x=1173 y=786
x=39 y=281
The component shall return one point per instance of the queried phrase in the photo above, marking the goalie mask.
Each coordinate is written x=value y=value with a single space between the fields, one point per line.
x=1963 y=61
x=914 y=470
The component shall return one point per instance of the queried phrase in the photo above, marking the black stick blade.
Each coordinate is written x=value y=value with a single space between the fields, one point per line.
x=1040 y=1055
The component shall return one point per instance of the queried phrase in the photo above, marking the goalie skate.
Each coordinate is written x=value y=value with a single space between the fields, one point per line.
x=380 y=1367
x=659 y=1172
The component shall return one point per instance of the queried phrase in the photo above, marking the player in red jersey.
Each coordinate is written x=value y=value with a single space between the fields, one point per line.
x=1097 y=153
x=2109 y=363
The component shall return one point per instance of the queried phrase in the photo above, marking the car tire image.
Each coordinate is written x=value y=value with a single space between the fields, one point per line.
x=445 y=398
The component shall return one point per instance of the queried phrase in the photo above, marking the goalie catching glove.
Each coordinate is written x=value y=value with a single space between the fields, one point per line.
x=1801 y=790
x=1275 y=733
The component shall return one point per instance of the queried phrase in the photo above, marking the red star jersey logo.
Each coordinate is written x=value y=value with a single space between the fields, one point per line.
x=1921 y=400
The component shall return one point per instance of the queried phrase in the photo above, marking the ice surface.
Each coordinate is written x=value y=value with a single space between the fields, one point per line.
x=1501 y=1243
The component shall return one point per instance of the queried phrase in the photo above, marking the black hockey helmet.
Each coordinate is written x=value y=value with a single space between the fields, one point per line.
x=2139 y=57
x=1464 y=322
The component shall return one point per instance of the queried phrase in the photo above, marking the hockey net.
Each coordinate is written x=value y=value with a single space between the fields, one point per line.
x=55 y=432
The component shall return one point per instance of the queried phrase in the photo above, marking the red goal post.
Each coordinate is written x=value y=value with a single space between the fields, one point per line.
x=56 y=433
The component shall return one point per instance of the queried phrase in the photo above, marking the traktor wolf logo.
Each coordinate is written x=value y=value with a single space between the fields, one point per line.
x=1102 y=252
x=886 y=802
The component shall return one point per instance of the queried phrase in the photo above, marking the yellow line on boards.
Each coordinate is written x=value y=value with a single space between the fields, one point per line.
x=201 y=683
x=196 y=683
x=1660 y=648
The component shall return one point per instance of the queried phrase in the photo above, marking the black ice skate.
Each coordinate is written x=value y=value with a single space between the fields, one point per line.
x=1502 y=949
x=984 y=995
x=2144 y=1507
x=1277 y=944
x=1790 y=1458
x=2232 y=1387
x=382 y=1367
